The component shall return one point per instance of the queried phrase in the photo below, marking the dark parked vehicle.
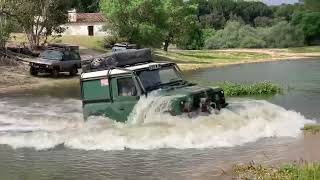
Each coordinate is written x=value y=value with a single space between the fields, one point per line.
x=55 y=59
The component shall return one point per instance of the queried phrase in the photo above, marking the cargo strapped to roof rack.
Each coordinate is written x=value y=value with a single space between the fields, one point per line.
x=63 y=47
x=117 y=59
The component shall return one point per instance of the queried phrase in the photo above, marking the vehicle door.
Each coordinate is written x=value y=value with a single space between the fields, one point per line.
x=126 y=93
x=68 y=61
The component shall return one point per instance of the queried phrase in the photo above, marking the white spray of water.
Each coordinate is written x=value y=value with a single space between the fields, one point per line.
x=149 y=127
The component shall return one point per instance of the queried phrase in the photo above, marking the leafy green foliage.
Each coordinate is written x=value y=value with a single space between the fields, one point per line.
x=283 y=35
x=215 y=13
x=237 y=35
x=303 y=171
x=5 y=30
x=152 y=22
x=261 y=88
x=140 y=21
x=286 y=11
x=309 y=22
x=86 y=6
x=39 y=18
x=208 y=33
x=313 y=5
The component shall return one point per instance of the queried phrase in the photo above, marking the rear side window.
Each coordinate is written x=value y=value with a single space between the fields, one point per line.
x=126 y=87
x=96 y=89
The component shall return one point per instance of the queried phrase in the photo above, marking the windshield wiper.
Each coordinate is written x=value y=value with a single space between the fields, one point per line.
x=154 y=87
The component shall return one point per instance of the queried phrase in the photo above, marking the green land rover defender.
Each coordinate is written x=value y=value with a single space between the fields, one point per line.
x=111 y=85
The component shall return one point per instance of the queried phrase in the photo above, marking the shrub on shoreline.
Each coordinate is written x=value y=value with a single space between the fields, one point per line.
x=290 y=171
x=237 y=35
x=261 y=88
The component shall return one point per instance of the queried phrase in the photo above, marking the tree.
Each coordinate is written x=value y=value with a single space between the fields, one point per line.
x=139 y=21
x=86 y=6
x=286 y=11
x=309 y=22
x=5 y=24
x=215 y=13
x=39 y=18
x=181 y=25
x=313 y=5
x=153 y=22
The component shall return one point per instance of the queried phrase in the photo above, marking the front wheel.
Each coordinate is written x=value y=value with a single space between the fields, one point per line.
x=33 y=71
x=73 y=71
x=55 y=73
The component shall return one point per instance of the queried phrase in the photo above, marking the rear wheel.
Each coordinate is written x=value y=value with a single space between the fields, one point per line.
x=33 y=71
x=73 y=71
x=55 y=73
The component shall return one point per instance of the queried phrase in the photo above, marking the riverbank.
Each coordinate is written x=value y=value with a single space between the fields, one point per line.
x=300 y=170
x=17 y=78
x=198 y=59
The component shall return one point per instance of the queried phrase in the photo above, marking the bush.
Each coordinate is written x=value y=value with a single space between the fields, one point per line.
x=261 y=88
x=237 y=35
x=208 y=33
x=309 y=23
x=283 y=35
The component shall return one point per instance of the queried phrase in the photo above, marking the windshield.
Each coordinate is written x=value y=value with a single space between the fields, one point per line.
x=52 y=55
x=154 y=79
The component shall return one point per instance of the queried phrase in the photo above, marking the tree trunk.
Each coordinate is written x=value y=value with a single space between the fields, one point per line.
x=166 y=45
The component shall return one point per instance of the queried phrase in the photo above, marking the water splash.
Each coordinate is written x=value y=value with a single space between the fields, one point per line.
x=46 y=123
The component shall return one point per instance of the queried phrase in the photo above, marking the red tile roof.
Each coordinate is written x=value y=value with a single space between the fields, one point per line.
x=90 y=17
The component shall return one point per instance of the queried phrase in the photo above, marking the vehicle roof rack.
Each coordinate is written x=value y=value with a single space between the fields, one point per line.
x=117 y=60
x=66 y=47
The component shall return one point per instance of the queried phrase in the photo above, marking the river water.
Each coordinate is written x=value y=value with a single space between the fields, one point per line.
x=44 y=137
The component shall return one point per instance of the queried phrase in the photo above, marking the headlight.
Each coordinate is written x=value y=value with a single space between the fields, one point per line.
x=185 y=106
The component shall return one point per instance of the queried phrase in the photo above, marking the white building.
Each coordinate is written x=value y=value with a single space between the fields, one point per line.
x=87 y=24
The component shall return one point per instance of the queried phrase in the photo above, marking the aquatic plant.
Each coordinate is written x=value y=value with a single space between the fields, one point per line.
x=303 y=171
x=260 y=88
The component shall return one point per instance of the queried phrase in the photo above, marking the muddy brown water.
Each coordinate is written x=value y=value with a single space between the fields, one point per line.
x=43 y=136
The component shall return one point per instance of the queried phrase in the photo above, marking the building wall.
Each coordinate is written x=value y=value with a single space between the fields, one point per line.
x=82 y=29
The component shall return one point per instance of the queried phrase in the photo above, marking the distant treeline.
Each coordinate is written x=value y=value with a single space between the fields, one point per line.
x=196 y=24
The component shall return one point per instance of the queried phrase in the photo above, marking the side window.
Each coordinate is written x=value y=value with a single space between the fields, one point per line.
x=66 y=56
x=74 y=56
x=126 y=87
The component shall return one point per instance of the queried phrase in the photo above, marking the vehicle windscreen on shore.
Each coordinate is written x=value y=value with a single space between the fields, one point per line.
x=154 y=79
x=52 y=55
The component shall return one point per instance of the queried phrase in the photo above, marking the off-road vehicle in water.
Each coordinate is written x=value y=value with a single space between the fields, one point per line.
x=111 y=85
x=55 y=59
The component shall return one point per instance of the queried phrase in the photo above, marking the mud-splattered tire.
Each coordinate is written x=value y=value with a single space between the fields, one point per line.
x=33 y=71
x=73 y=71
x=55 y=73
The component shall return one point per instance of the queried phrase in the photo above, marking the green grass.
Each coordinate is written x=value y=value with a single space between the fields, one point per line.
x=257 y=89
x=308 y=49
x=304 y=171
x=208 y=56
x=94 y=43
x=312 y=128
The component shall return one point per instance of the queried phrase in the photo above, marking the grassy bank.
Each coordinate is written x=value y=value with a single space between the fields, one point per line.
x=304 y=171
x=309 y=49
x=312 y=128
x=196 y=59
